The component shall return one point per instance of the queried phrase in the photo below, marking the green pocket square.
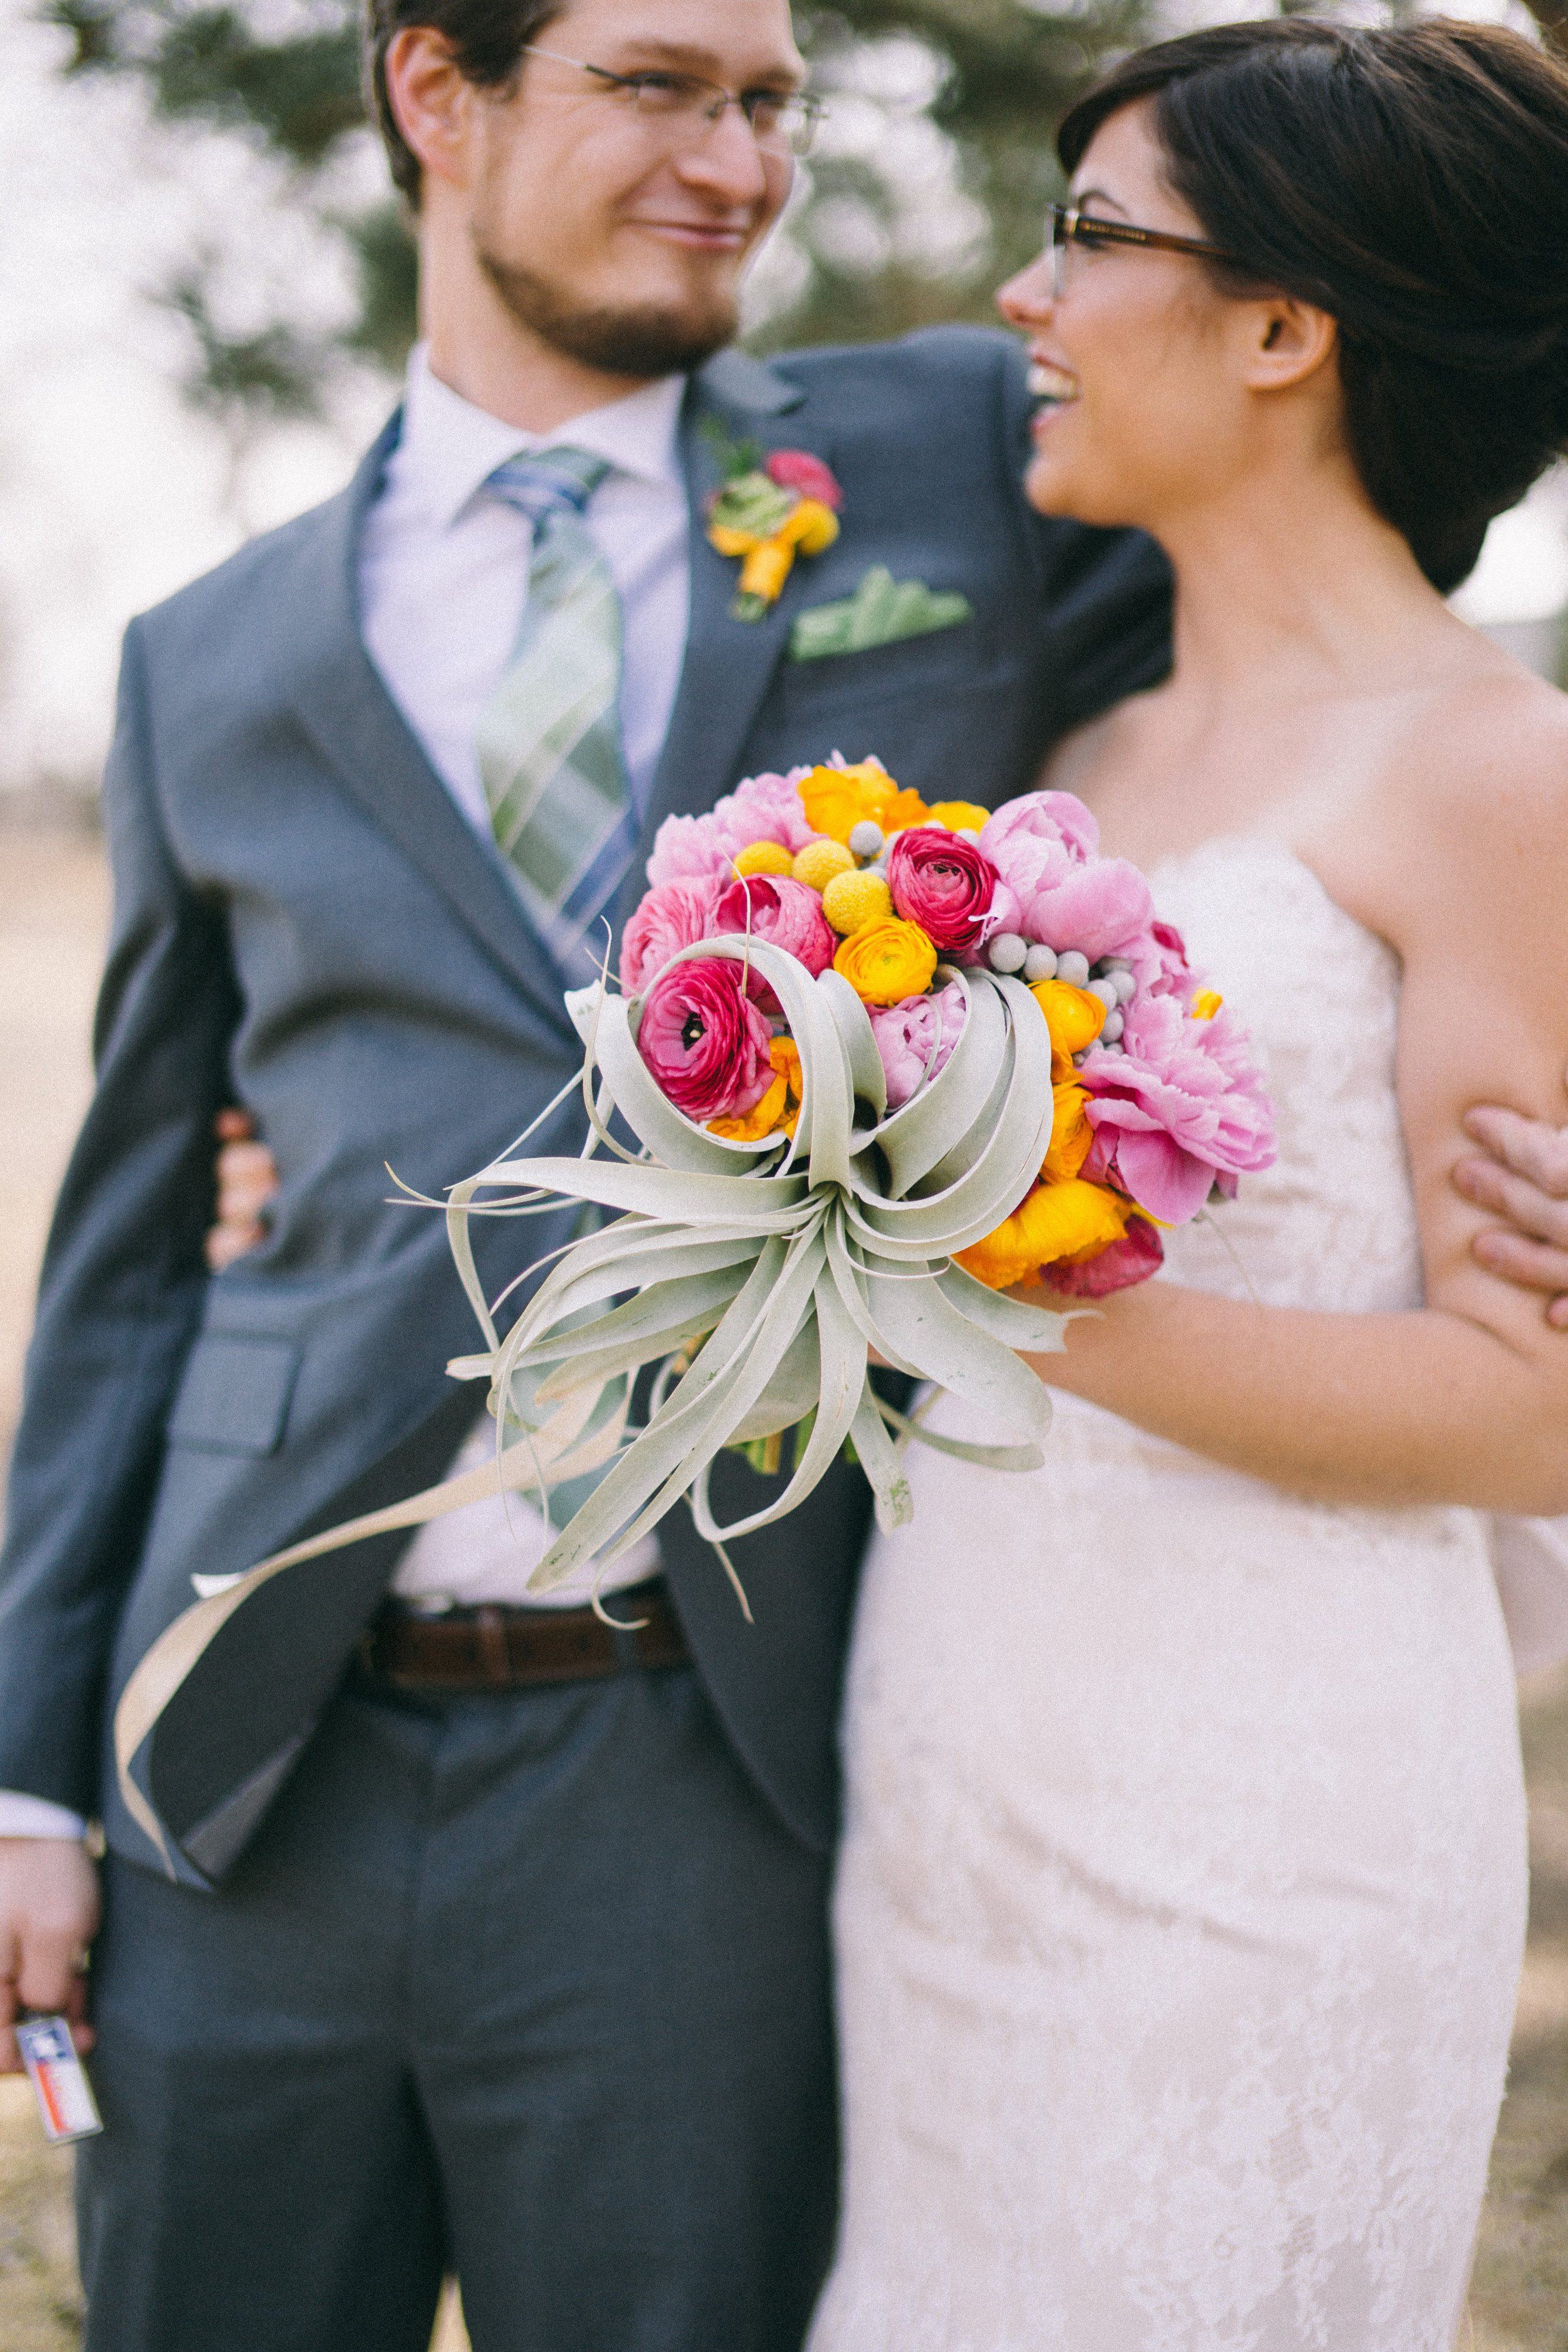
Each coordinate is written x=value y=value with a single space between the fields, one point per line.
x=881 y=610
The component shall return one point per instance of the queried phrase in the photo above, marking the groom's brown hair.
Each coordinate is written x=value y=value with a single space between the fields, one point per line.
x=488 y=38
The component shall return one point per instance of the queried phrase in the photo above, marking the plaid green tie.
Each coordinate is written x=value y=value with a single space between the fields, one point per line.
x=548 y=740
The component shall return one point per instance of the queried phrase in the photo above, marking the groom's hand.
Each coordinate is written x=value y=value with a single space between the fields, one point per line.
x=49 y=1917
x=1524 y=1180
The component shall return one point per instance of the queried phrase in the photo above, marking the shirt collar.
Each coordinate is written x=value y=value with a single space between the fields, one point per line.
x=449 y=448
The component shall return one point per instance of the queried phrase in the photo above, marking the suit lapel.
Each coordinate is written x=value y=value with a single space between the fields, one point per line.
x=337 y=693
x=729 y=664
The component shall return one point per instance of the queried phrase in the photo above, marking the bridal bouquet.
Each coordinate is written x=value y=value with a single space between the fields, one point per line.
x=876 y=1062
x=872 y=1062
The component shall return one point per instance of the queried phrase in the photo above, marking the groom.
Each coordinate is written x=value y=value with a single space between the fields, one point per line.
x=490 y=1939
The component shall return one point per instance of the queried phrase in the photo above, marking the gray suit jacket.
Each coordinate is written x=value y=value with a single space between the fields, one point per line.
x=304 y=923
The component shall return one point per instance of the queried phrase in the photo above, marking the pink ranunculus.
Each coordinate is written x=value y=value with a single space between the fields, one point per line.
x=690 y=848
x=786 y=914
x=796 y=469
x=1138 y=1254
x=1045 y=848
x=945 y=885
x=672 y=914
x=1181 y=1107
x=916 y=1037
x=704 y=1041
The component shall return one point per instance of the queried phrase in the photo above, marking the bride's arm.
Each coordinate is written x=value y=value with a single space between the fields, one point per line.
x=1464 y=1401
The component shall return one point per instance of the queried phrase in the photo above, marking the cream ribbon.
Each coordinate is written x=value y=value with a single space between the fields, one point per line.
x=545 y=1459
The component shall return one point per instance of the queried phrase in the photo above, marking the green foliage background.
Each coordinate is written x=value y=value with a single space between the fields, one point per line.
x=284 y=74
x=1002 y=74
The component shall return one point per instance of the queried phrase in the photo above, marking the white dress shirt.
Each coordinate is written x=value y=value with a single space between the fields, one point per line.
x=444 y=575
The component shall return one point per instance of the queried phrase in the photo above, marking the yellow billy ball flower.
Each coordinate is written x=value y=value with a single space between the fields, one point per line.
x=853 y=900
x=763 y=857
x=817 y=863
x=886 y=962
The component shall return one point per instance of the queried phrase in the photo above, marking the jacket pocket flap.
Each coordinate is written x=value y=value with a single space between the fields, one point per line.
x=235 y=1395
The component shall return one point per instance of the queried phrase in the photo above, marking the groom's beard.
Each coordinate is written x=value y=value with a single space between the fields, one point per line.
x=631 y=343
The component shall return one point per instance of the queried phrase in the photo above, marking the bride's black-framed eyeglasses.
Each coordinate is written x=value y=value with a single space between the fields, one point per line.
x=783 y=121
x=1067 y=228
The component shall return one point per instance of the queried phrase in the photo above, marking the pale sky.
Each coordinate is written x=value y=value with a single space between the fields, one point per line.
x=112 y=494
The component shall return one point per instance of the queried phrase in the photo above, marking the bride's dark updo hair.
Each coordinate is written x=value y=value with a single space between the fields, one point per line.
x=1414 y=181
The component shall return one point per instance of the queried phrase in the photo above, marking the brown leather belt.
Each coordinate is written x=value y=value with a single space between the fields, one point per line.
x=496 y=1648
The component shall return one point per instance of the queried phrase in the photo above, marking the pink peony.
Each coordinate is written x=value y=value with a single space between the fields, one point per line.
x=689 y=849
x=764 y=808
x=704 y=1040
x=760 y=808
x=946 y=886
x=672 y=914
x=796 y=469
x=1045 y=849
x=916 y=1037
x=1138 y=1254
x=786 y=914
x=1181 y=1108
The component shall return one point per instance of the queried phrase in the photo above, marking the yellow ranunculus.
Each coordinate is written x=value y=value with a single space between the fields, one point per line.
x=836 y=800
x=778 y=1111
x=1070 y=1133
x=884 y=962
x=958 y=817
x=1075 y=1019
x=1071 y=1219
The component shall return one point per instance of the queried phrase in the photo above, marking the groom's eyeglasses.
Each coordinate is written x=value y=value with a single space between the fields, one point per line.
x=1070 y=232
x=782 y=121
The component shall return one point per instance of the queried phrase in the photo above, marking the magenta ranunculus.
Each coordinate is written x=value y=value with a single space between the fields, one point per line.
x=796 y=469
x=1045 y=848
x=672 y=914
x=782 y=912
x=1181 y=1107
x=945 y=885
x=704 y=1041
x=916 y=1037
x=1138 y=1254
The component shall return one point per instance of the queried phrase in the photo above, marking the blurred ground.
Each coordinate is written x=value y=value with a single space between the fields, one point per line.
x=53 y=913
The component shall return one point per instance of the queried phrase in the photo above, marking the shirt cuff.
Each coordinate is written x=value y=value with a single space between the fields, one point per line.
x=35 y=1817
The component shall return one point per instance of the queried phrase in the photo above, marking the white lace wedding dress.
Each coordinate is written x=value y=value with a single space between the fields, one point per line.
x=1183 y=1893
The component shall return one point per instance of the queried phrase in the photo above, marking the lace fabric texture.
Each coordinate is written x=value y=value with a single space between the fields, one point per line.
x=1182 y=1899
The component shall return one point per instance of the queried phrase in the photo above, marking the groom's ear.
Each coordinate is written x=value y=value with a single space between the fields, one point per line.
x=1283 y=341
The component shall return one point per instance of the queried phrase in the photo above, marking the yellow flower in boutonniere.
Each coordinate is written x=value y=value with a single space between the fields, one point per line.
x=766 y=515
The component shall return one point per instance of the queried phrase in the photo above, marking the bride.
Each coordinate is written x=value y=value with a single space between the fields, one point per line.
x=1183 y=1893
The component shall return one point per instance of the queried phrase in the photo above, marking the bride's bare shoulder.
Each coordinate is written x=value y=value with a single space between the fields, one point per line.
x=1472 y=826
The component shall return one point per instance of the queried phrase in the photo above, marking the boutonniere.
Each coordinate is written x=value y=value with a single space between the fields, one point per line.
x=770 y=509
